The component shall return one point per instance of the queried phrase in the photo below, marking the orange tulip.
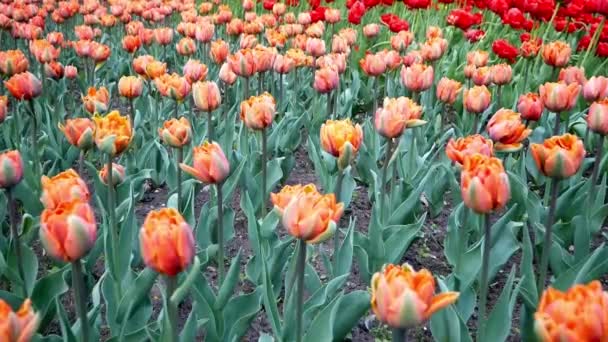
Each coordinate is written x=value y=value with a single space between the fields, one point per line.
x=186 y=46
x=264 y=58
x=283 y=64
x=235 y=27
x=339 y=45
x=11 y=169
x=219 y=51
x=130 y=86
x=194 y=71
x=118 y=174
x=163 y=35
x=392 y=59
x=529 y=48
x=556 y=54
x=418 y=77
x=18 y=326
x=559 y=156
x=433 y=32
x=96 y=100
x=279 y=9
x=173 y=86
x=79 y=132
x=477 y=99
x=433 y=49
x=276 y=38
x=448 y=90
x=99 y=52
x=597 y=119
x=501 y=74
x=332 y=15
x=371 y=30
x=530 y=106
x=43 y=51
x=24 y=86
x=404 y=298
x=248 y=41
x=373 y=65
x=131 y=43
x=457 y=150
x=478 y=58
x=469 y=71
x=573 y=74
x=482 y=76
x=166 y=242
x=402 y=40
x=326 y=80
x=140 y=63
x=176 y=132
x=299 y=57
x=257 y=112
x=507 y=130
x=68 y=231
x=596 y=88
x=242 y=63
x=484 y=183
x=281 y=199
x=155 y=69
x=206 y=95
x=559 y=97
x=53 y=70
x=209 y=164
x=3 y=108
x=396 y=114
x=315 y=30
x=113 y=133
x=226 y=74
x=341 y=139
x=349 y=34
x=66 y=186
x=13 y=62
x=84 y=32
x=578 y=314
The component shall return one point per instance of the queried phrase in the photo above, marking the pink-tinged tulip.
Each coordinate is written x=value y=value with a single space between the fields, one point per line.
x=219 y=51
x=469 y=71
x=332 y=15
x=176 y=132
x=484 y=183
x=204 y=32
x=315 y=47
x=433 y=32
x=96 y=100
x=186 y=46
x=597 y=119
x=559 y=97
x=315 y=30
x=477 y=99
x=458 y=149
x=248 y=41
x=166 y=242
x=404 y=298
x=501 y=74
x=304 y=18
x=326 y=80
x=70 y=72
x=507 y=130
x=194 y=71
x=530 y=106
x=573 y=74
x=349 y=34
x=371 y=30
x=478 y=58
x=373 y=65
x=24 y=86
x=3 y=108
x=556 y=54
x=140 y=63
x=283 y=64
x=18 y=326
x=412 y=57
x=257 y=112
x=66 y=186
x=68 y=231
x=596 y=88
x=11 y=169
x=395 y=115
x=242 y=63
x=209 y=164
x=264 y=58
x=402 y=40
x=248 y=5
x=392 y=59
x=279 y=9
x=339 y=45
x=163 y=35
x=99 y=52
x=13 y=62
x=418 y=77
x=226 y=74
x=433 y=49
x=44 y=51
x=79 y=132
x=448 y=90
x=155 y=69
x=559 y=156
x=130 y=86
x=53 y=70
x=235 y=27
x=206 y=95
x=482 y=76
x=131 y=43
x=173 y=86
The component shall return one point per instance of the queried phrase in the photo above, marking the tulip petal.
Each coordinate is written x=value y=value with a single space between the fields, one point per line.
x=440 y=301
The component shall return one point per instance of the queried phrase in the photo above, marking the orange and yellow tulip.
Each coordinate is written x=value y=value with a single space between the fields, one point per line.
x=194 y=71
x=140 y=63
x=163 y=35
x=395 y=115
x=559 y=156
x=24 y=86
x=478 y=58
x=530 y=106
x=96 y=100
x=507 y=130
x=257 y=112
x=13 y=62
x=417 y=77
x=173 y=86
x=43 y=51
x=219 y=51
x=66 y=186
x=3 y=108
x=484 y=183
x=130 y=86
x=482 y=76
x=11 y=169
x=155 y=69
x=281 y=199
x=597 y=119
x=18 y=326
x=206 y=95
x=341 y=139
x=559 y=97
x=131 y=43
x=118 y=174
x=242 y=63
x=79 y=132
x=186 y=46
x=113 y=133
x=448 y=90
x=402 y=40
x=501 y=74
x=326 y=80
x=433 y=49
x=264 y=58
x=457 y=150
x=556 y=54
x=477 y=99
x=176 y=132
x=373 y=65
x=53 y=70
x=209 y=164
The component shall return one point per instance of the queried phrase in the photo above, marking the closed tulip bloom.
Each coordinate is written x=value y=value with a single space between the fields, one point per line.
x=118 y=174
x=597 y=119
x=392 y=59
x=373 y=65
x=279 y=9
x=484 y=183
x=395 y=115
x=13 y=62
x=433 y=49
x=140 y=64
x=434 y=32
x=68 y=231
x=11 y=169
x=219 y=51
x=315 y=30
x=332 y=15
x=304 y=18
x=194 y=71
x=418 y=77
x=556 y=54
x=577 y=314
x=186 y=46
x=448 y=90
x=559 y=97
x=281 y=199
x=209 y=164
x=166 y=242
x=206 y=95
x=163 y=35
x=283 y=64
x=96 y=100
x=469 y=71
x=3 y=108
x=264 y=58
x=341 y=139
x=482 y=76
x=113 y=133
x=248 y=41
x=99 y=52
x=478 y=58
x=596 y=88
x=458 y=149
x=44 y=51
x=18 y=326
x=226 y=74
x=173 y=86
x=339 y=45
x=507 y=130
x=79 y=132
x=477 y=99
x=131 y=43
x=242 y=63
x=404 y=298
x=257 y=112
x=326 y=80
x=235 y=27
x=501 y=74
x=371 y=30
x=53 y=70
x=530 y=106
x=70 y=72
x=402 y=40
x=130 y=86
x=66 y=186
x=315 y=47
x=248 y=5
x=24 y=86
x=530 y=48
x=204 y=32
x=176 y=132
x=559 y=156
x=573 y=74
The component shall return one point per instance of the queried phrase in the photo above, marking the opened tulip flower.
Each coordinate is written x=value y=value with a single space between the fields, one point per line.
x=530 y=106
x=402 y=40
x=484 y=183
x=281 y=199
x=155 y=69
x=596 y=88
x=326 y=80
x=242 y=63
x=118 y=174
x=3 y=108
x=79 y=132
x=396 y=114
x=130 y=86
x=417 y=77
x=195 y=71
x=166 y=242
x=70 y=72
x=507 y=130
x=131 y=43
x=404 y=298
x=186 y=46
x=556 y=54
x=597 y=119
x=173 y=86
x=206 y=95
x=96 y=100
x=24 y=86
x=373 y=65
x=113 y=133
x=226 y=74
x=140 y=63
x=457 y=150
x=19 y=326
x=176 y=132
x=66 y=186
x=501 y=74
x=482 y=76
x=477 y=99
x=559 y=156
x=573 y=75
x=433 y=49
x=11 y=169
x=209 y=164
x=448 y=90
x=13 y=62
x=163 y=35
x=44 y=51
x=219 y=51
x=257 y=112
x=341 y=139
x=478 y=58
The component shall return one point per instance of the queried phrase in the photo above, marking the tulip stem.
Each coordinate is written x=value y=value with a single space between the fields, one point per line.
x=260 y=83
x=475 y=123
x=399 y=334
x=80 y=299
x=387 y=159
x=132 y=112
x=598 y=160
x=499 y=96
x=81 y=162
x=12 y=213
x=246 y=88
x=544 y=263
x=210 y=125
x=375 y=94
x=180 y=159
x=34 y=132
x=170 y=309
x=175 y=109
x=264 y=160
x=337 y=192
x=112 y=221
x=526 y=71
x=463 y=241
x=220 y=234
x=556 y=127
x=300 y=267
x=483 y=284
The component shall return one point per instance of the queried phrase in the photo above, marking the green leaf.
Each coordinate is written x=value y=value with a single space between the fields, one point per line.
x=447 y=325
x=353 y=306
x=238 y=314
x=189 y=331
x=181 y=292
x=136 y=294
x=345 y=253
x=496 y=329
x=232 y=278
x=528 y=273
x=47 y=289
x=321 y=328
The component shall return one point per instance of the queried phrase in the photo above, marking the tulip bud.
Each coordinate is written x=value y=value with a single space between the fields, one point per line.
x=371 y=30
x=283 y=64
x=477 y=99
x=166 y=242
x=209 y=164
x=395 y=115
x=418 y=77
x=469 y=71
x=11 y=169
x=530 y=106
x=482 y=76
x=448 y=90
x=66 y=186
x=226 y=74
x=556 y=54
x=79 y=132
x=130 y=86
x=113 y=133
x=194 y=71
x=186 y=46
x=118 y=174
x=18 y=326
x=484 y=184
x=507 y=130
x=53 y=70
x=257 y=112
x=402 y=40
x=206 y=95
x=219 y=51
x=478 y=58
x=596 y=88
x=176 y=133
x=573 y=75
x=597 y=119
x=559 y=97
x=70 y=72
x=24 y=86
x=457 y=150
x=501 y=74
x=341 y=139
x=326 y=80
x=559 y=156
x=373 y=65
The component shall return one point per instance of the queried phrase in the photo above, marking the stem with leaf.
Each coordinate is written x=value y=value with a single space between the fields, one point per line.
x=180 y=159
x=264 y=171
x=112 y=220
x=170 y=309
x=300 y=268
x=598 y=160
x=80 y=298
x=483 y=284
x=337 y=192
x=544 y=263
x=12 y=213
x=220 y=234
x=387 y=159
x=34 y=133
x=209 y=125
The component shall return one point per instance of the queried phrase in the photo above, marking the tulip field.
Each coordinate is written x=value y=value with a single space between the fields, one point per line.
x=303 y=170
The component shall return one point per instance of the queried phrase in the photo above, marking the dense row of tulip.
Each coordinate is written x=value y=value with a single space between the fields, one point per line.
x=469 y=124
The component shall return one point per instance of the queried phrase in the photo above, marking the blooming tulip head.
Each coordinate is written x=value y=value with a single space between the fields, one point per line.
x=219 y=51
x=371 y=30
x=24 y=86
x=18 y=326
x=242 y=63
x=79 y=132
x=226 y=74
x=597 y=119
x=118 y=174
x=96 y=100
x=13 y=62
x=53 y=70
x=417 y=77
x=206 y=95
x=70 y=72
x=578 y=314
x=140 y=64
x=130 y=86
x=186 y=46
x=264 y=58
x=283 y=64
x=484 y=183
x=341 y=139
x=477 y=99
x=11 y=169
x=68 y=231
x=559 y=97
x=166 y=242
x=173 y=86
x=257 y=112
x=209 y=164
x=507 y=130
x=530 y=106
x=332 y=15
x=163 y=35
x=482 y=76
x=556 y=54
x=402 y=40
x=176 y=132
x=404 y=298
x=281 y=199
x=559 y=156
x=373 y=65
x=457 y=150
x=204 y=32
x=326 y=80
x=113 y=133
x=396 y=114
x=501 y=74
x=448 y=90
x=43 y=51
x=194 y=71
x=572 y=74
x=131 y=43
x=596 y=88
x=478 y=58
x=66 y=186
x=433 y=49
